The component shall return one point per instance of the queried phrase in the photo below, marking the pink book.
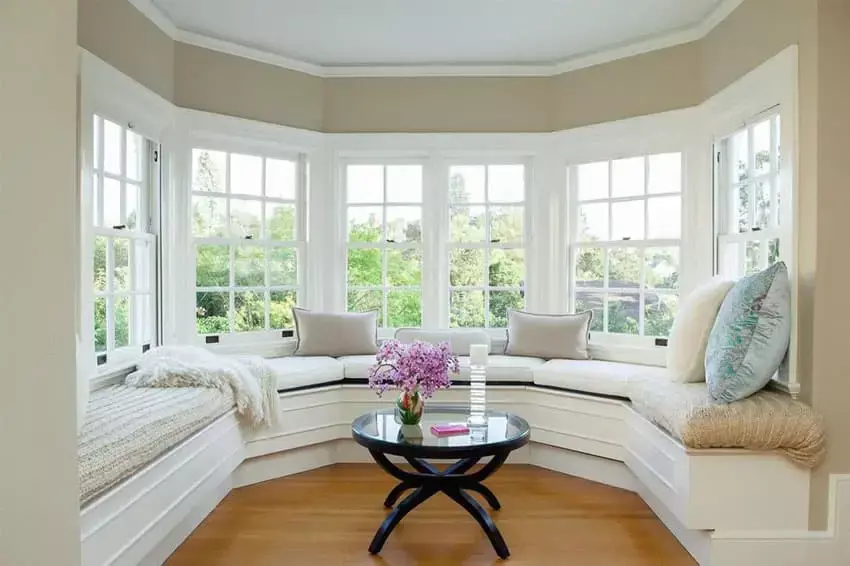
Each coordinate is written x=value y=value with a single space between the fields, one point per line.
x=447 y=429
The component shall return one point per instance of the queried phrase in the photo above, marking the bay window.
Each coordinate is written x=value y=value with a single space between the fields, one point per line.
x=627 y=225
x=247 y=240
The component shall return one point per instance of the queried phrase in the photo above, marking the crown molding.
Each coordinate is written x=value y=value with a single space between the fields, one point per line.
x=582 y=61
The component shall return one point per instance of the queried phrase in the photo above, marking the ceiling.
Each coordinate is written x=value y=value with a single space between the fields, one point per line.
x=334 y=33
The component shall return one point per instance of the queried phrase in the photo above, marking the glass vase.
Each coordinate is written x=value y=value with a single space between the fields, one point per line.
x=408 y=413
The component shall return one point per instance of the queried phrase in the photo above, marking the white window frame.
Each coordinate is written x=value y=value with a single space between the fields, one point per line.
x=575 y=245
x=487 y=244
x=384 y=330
x=230 y=147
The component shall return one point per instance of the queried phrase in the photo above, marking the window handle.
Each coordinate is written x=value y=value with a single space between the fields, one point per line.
x=249 y=237
x=495 y=240
x=120 y=227
x=626 y=238
x=756 y=228
x=391 y=241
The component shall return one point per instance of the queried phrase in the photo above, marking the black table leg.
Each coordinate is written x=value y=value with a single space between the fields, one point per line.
x=454 y=481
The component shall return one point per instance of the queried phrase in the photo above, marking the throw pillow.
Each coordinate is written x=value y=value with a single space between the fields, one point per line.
x=459 y=339
x=335 y=334
x=691 y=328
x=750 y=336
x=548 y=335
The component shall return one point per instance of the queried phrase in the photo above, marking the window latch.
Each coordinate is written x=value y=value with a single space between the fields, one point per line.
x=756 y=228
x=391 y=241
x=120 y=227
x=249 y=237
x=495 y=240
x=626 y=238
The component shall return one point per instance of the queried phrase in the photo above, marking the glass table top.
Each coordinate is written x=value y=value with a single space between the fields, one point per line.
x=499 y=427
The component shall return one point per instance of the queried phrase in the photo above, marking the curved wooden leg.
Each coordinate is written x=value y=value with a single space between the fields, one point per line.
x=396 y=492
x=488 y=495
x=483 y=519
x=409 y=503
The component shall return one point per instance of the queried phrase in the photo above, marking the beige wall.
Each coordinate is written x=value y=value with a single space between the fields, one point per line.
x=654 y=82
x=217 y=82
x=437 y=105
x=118 y=33
x=39 y=481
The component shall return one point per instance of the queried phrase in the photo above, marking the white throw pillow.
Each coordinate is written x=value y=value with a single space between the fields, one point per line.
x=548 y=336
x=335 y=334
x=689 y=335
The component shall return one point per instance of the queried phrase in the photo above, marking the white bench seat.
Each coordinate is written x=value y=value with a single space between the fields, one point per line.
x=513 y=369
x=594 y=376
x=302 y=371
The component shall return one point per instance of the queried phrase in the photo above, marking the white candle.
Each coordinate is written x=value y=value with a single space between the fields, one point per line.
x=478 y=354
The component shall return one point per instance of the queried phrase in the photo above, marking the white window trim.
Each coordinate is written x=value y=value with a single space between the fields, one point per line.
x=109 y=93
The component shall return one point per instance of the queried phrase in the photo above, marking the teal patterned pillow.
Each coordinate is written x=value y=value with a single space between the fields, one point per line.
x=750 y=336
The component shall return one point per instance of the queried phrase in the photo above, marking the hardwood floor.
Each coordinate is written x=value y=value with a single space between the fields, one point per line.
x=327 y=517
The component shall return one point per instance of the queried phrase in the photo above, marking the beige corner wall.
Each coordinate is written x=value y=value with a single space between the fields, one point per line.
x=118 y=33
x=224 y=84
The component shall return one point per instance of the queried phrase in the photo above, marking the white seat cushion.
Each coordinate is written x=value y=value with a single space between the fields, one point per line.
x=298 y=371
x=503 y=368
x=357 y=367
x=594 y=376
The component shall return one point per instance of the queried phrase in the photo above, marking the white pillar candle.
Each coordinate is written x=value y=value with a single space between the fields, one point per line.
x=478 y=354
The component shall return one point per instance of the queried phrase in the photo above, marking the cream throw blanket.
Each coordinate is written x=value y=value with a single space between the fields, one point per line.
x=249 y=379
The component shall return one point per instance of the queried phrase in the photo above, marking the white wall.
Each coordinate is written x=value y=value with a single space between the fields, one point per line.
x=39 y=494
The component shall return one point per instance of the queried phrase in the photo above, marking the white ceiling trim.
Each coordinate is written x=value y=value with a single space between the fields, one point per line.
x=694 y=33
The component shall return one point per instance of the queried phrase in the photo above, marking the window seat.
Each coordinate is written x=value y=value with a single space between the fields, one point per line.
x=595 y=376
x=126 y=428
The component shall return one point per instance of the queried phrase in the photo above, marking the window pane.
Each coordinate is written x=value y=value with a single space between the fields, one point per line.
x=131 y=217
x=753 y=259
x=466 y=184
x=466 y=267
x=404 y=223
x=506 y=183
x=246 y=174
x=404 y=268
x=507 y=268
x=364 y=301
x=590 y=267
x=761 y=147
x=100 y=245
x=245 y=218
x=506 y=224
x=627 y=177
x=96 y=135
x=209 y=170
x=365 y=224
x=773 y=251
x=249 y=266
x=404 y=308
x=121 y=271
x=742 y=200
x=143 y=318
x=280 y=309
x=627 y=220
x=665 y=173
x=142 y=266
x=95 y=197
x=209 y=217
x=624 y=265
x=730 y=259
x=281 y=178
x=659 y=312
x=778 y=139
x=100 y=324
x=250 y=311
x=112 y=147
x=365 y=183
x=364 y=267
x=593 y=181
x=500 y=302
x=662 y=268
x=665 y=218
x=111 y=203
x=624 y=313
x=467 y=309
x=280 y=222
x=134 y=156
x=762 y=204
x=404 y=183
x=739 y=166
x=122 y=321
x=593 y=222
x=587 y=301
x=467 y=224
x=211 y=312
x=212 y=266
x=283 y=266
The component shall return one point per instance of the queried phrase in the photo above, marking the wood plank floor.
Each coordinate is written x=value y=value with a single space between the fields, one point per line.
x=327 y=517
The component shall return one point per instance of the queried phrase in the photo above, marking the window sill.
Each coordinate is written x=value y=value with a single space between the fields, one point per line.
x=111 y=374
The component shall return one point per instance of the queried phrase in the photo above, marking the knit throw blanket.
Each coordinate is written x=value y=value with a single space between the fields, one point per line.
x=249 y=379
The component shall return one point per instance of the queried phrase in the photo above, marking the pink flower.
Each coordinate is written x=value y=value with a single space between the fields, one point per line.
x=418 y=366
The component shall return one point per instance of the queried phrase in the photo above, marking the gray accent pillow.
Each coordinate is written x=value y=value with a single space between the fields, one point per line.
x=335 y=334
x=548 y=336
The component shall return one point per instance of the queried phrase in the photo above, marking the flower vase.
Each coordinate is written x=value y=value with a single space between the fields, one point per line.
x=408 y=413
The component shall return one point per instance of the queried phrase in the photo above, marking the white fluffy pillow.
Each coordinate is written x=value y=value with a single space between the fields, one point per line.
x=689 y=335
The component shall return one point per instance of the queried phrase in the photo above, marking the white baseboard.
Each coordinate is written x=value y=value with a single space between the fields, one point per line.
x=593 y=468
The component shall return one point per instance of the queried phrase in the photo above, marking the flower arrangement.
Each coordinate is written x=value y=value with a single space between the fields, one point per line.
x=417 y=369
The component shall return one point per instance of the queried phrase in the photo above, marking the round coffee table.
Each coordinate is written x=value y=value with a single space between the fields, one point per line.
x=382 y=435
